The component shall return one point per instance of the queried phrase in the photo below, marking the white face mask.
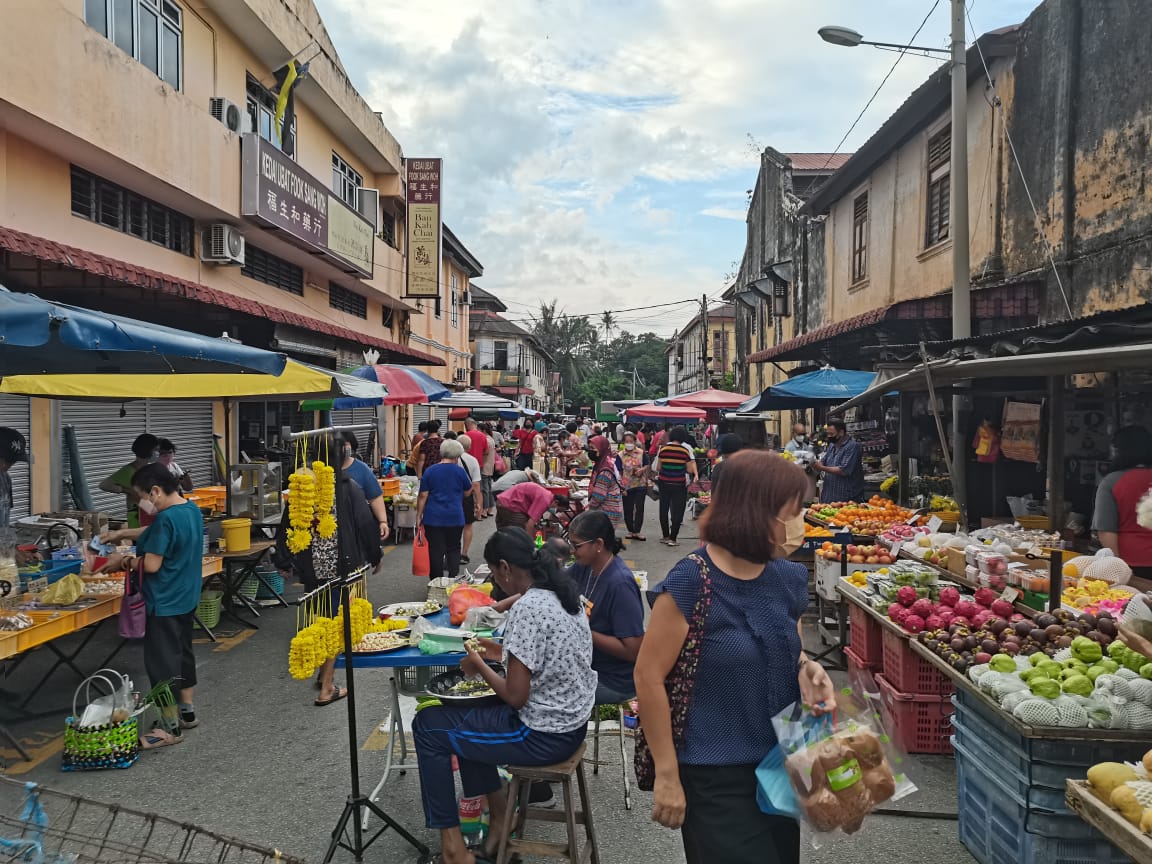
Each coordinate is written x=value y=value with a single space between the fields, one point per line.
x=629 y=446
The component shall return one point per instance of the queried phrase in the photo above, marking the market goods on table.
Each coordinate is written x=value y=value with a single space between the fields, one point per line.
x=864 y=519
x=15 y=621
x=1127 y=788
x=455 y=686
x=378 y=642
x=410 y=610
x=857 y=554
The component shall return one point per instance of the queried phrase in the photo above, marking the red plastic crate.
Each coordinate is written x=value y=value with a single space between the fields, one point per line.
x=855 y=664
x=865 y=636
x=918 y=723
x=910 y=673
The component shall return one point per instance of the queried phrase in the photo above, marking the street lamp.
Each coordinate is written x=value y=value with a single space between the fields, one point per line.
x=634 y=375
x=958 y=229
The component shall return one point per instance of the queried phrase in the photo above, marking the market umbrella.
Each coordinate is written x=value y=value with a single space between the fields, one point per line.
x=473 y=399
x=40 y=337
x=406 y=386
x=653 y=413
x=297 y=381
x=825 y=385
x=709 y=400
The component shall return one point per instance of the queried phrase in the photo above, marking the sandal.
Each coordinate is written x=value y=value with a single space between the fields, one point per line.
x=158 y=738
x=639 y=537
x=337 y=694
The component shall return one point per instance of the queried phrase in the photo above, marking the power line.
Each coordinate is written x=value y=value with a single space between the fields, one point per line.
x=872 y=98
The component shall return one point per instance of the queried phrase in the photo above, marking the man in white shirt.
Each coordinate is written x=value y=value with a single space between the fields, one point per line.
x=473 y=503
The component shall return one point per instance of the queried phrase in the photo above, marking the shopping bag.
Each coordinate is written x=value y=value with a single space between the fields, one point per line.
x=499 y=466
x=133 y=609
x=105 y=734
x=421 y=561
x=774 y=793
x=463 y=599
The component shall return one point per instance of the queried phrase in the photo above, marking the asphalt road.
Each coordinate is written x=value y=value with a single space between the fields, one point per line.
x=267 y=766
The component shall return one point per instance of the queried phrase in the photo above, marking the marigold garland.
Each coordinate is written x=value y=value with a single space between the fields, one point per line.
x=323 y=639
x=301 y=507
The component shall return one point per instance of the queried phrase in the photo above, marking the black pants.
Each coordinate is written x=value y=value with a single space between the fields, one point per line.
x=168 y=654
x=723 y=822
x=443 y=549
x=673 y=500
x=634 y=509
x=523 y=461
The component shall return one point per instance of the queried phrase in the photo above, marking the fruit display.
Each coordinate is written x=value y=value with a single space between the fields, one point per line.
x=903 y=533
x=873 y=554
x=943 y=504
x=859 y=579
x=1126 y=787
x=812 y=531
x=1095 y=595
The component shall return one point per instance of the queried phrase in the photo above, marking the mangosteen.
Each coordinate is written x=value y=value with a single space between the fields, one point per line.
x=1023 y=628
x=1045 y=620
x=1107 y=626
x=934 y=644
x=960 y=664
x=1012 y=639
x=1038 y=636
x=1064 y=642
x=958 y=644
x=1072 y=631
x=970 y=643
x=1010 y=648
x=1062 y=614
x=1054 y=631
x=998 y=626
x=1104 y=614
x=1087 y=618
x=1097 y=636
x=989 y=646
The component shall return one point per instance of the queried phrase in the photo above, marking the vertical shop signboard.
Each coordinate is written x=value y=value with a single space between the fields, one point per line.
x=424 y=227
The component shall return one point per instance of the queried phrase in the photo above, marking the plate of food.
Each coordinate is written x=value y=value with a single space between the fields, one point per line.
x=412 y=609
x=455 y=686
x=382 y=643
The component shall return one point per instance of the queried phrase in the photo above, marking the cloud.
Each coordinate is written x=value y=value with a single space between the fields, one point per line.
x=598 y=151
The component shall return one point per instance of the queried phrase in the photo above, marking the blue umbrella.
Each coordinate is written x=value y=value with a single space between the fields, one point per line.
x=814 y=388
x=41 y=337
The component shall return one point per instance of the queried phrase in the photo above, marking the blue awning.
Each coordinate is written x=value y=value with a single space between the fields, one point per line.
x=824 y=386
x=42 y=337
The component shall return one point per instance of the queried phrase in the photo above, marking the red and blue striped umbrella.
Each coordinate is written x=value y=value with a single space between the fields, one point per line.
x=406 y=385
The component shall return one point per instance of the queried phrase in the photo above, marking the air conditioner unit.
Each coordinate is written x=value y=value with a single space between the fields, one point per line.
x=230 y=114
x=222 y=244
x=368 y=203
x=465 y=297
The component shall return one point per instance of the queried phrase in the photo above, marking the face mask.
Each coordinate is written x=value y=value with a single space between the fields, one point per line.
x=793 y=533
x=146 y=506
x=166 y=458
x=801 y=438
x=629 y=446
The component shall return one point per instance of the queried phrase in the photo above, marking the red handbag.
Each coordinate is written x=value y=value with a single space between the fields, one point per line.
x=421 y=560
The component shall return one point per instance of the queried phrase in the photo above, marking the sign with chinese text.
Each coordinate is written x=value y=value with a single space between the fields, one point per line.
x=424 y=235
x=278 y=193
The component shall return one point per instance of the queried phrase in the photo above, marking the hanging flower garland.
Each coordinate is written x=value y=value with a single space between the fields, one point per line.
x=301 y=507
x=323 y=639
x=325 y=499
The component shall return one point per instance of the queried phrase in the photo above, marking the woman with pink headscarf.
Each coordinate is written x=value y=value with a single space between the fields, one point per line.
x=605 y=492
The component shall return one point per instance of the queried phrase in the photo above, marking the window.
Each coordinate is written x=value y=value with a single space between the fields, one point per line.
x=346 y=181
x=454 y=306
x=939 y=187
x=112 y=206
x=500 y=356
x=151 y=31
x=387 y=316
x=860 y=238
x=720 y=349
x=262 y=110
x=267 y=268
x=341 y=298
x=388 y=229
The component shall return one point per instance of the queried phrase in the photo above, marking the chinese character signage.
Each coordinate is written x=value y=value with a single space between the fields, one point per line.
x=423 y=200
x=276 y=192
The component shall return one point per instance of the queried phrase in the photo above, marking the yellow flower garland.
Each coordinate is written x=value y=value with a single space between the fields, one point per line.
x=325 y=499
x=323 y=639
x=301 y=506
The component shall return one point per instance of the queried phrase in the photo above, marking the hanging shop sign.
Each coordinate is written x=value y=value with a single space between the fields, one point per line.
x=278 y=193
x=1020 y=436
x=424 y=227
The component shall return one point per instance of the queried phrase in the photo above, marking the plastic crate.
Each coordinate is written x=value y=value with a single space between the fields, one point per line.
x=7 y=643
x=48 y=626
x=274 y=579
x=865 y=637
x=996 y=828
x=856 y=664
x=910 y=673
x=920 y=723
x=1063 y=752
x=413 y=680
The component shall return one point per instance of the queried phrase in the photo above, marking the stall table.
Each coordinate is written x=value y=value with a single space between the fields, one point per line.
x=1119 y=831
x=238 y=567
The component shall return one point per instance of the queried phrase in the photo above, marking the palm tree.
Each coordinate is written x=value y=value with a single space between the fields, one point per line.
x=567 y=339
x=608 y=322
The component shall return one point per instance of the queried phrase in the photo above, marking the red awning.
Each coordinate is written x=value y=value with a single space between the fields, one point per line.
x=100 y=265
x=511 y=391
x=822 y=334
x=459 y=413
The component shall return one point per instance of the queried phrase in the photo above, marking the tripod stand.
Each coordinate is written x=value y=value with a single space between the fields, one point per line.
x=357 y=802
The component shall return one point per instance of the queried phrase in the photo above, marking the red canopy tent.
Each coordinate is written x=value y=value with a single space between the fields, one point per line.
x=653 y=413
x=709 y=400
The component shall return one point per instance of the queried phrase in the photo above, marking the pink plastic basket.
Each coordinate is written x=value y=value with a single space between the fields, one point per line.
x=910 y=673
x=865 y=636
x=918 y=723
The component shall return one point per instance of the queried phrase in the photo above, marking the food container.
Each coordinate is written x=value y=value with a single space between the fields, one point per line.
x=992 y=563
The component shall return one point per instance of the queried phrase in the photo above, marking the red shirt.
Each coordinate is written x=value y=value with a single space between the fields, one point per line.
x=1135 y=540
x=527 y=439
x=479 y=444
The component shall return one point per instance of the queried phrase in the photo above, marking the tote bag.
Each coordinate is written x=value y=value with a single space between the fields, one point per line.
x=421 y=560
x=133 y=608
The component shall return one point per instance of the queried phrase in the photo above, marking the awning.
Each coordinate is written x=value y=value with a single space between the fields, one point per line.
x=949 y=371
x=653 y=413
x=709 y=399
x=788 y=350
x=42 y=337
x=406 y=386
x=474 y=399
x=814 y=388
x=120 y=271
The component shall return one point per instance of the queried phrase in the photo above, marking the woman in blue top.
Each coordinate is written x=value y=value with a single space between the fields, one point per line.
x=440 y=509
x=172 y=549
x=612 y=601
x=749 y=665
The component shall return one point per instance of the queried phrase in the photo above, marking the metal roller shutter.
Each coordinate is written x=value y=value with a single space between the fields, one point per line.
x=16 y=413
x=104 y=439
x=418 y=414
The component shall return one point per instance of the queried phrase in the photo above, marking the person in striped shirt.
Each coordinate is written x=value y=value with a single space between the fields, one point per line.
x=675 y=463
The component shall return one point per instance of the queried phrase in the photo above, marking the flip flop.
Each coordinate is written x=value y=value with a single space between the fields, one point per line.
x=158 y=738
x=639 y=537
x=337 y=694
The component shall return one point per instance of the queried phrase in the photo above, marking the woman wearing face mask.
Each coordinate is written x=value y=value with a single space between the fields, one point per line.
x=145 y=450
x=167 y=457
x=606 y=493
x=637 y=478
x=748 y=666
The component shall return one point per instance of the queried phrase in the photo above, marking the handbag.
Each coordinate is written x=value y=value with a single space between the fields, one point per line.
x=111 y=736
x=133 y=620
x=499 y=466
x=680 y=683
x=653 y=491
x=421 y=560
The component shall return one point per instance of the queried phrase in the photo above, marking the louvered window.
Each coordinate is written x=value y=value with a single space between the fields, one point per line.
x=341 y=298
x=267 y=268
x=860 y=238
x=938 y=218
x=112 y=206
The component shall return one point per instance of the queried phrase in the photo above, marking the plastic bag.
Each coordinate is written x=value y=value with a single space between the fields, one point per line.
x=463 y=599
x=421 y=560
x=484 y=618
x=840 y=769
x=63 y=592
x=774 y=793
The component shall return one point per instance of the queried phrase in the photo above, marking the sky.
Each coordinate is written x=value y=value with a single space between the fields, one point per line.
x=600 y=152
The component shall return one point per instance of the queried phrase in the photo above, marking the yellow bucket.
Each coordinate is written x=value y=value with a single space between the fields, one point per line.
x=237 y=534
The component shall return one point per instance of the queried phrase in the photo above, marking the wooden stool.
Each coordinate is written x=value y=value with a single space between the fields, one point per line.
x=596 y=760
x=518 y=793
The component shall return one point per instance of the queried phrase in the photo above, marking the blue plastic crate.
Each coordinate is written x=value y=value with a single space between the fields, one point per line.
x=996 y=828
x=1013 y=770
x=1043 y=751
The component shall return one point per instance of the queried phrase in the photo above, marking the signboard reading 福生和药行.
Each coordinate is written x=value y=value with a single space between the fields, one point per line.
x=424 y=231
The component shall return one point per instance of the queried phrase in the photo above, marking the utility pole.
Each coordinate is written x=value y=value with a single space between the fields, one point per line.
x=704 y=339
x=961 y=267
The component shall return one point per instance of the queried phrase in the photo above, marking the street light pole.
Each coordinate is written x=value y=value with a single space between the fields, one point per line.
x=961 y=266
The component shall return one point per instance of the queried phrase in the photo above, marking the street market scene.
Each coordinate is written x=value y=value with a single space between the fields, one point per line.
x=570 y=474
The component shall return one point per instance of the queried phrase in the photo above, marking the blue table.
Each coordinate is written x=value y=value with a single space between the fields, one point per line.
x=406 y=658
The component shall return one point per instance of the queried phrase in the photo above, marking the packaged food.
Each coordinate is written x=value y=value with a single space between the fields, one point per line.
x=992 y=563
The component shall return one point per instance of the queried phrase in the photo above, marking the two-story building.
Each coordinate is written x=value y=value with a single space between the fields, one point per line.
x=152 y=165
x=508 y=360
x=702 y=353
